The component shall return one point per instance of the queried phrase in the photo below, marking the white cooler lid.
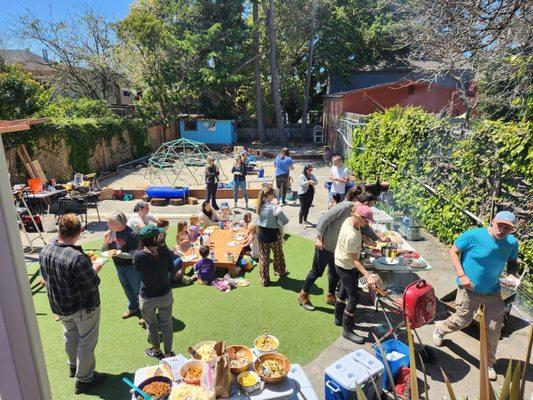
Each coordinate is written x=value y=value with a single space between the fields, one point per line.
x=356 y=367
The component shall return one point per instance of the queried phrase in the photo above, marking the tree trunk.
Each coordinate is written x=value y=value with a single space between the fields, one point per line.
x=257 y=74
x=269 y=12
x=309 y=71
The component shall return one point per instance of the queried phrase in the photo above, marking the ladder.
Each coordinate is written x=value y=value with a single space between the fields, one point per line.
x=21 y=206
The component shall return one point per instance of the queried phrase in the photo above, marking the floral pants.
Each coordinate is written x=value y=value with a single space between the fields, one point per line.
x=279 y=260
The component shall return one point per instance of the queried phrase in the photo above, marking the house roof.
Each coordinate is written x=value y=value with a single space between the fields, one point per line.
x=17 y=125
x=369 y=77
x=26 y=58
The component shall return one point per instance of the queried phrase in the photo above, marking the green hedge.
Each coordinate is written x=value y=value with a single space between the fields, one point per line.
x=463 y=166
x=81 y=135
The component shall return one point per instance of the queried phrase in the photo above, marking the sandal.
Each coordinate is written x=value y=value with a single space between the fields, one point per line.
x=151 y=352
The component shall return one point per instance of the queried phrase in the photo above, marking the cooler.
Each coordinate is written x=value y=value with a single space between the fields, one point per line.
x=358 y=367
x=410 y=229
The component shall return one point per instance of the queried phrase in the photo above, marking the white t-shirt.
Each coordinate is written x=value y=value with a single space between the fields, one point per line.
x=254 y=247
x=349 y=242
x=338 y=173
x=135 y=222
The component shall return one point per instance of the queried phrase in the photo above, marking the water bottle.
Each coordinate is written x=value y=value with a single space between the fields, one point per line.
x=201 y=240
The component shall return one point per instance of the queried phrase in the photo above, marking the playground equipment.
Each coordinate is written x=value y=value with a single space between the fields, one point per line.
x=177 y=156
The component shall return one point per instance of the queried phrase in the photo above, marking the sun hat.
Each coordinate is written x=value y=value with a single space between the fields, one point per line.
x=150 y=231
x=365 y=212
x=139 y=205
x=505 y=217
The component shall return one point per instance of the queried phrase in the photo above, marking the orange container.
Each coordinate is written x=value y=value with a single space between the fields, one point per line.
x=36 y=185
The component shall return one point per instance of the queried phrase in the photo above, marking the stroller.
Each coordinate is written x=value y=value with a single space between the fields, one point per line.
x=417 y=305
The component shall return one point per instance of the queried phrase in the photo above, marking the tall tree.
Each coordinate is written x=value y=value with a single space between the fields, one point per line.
x=257 y=75
x=309 y=70
x=271 y=30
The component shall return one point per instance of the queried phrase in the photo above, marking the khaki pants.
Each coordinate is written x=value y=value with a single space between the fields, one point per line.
x=467 y=303
x=80 y=331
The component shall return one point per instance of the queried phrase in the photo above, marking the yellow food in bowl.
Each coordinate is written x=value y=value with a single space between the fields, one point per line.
x=247 y=380
x=266 y=343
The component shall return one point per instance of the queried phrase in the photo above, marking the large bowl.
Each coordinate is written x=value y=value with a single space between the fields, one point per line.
x=264 y=351
x=155 y=379
x=185 y=368
x=272 y=356
x=200 y=344
x=252 y=388
x=249 y=356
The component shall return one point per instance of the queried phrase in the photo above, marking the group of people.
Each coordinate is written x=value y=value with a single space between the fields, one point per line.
x=147 y=267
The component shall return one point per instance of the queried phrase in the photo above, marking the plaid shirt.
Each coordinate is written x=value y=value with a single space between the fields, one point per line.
x=71 y=282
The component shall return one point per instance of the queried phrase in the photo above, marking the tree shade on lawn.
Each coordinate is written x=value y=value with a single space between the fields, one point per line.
x=200 y=313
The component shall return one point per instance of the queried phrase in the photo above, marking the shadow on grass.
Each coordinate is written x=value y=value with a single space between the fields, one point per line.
x=112 y=389
x=177 y=325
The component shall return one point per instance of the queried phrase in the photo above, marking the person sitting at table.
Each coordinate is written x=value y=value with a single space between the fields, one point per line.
x=225 y=213
x=204 y=269
x=142 y=216
x=246 y=220
x=121 y=237
x=479 y=256
x=250 y=244
x=269 y=235
x=154 y=262
x=350 y=269
x=208 y=216
x=183 y=240
x=194 y=228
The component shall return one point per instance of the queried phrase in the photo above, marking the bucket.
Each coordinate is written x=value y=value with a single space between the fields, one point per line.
x=36 y=185
x=48 y=222
x=388 y=347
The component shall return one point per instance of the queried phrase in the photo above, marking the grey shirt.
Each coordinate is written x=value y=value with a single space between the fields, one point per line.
x=330 y=223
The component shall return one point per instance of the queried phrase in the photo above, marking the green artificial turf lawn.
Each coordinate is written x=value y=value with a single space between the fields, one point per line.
x=200 y=313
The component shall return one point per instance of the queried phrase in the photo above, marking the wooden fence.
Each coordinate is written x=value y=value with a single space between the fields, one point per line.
x=248 y=132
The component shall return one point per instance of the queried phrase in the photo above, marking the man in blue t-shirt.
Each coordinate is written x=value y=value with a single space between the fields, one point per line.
x=479 y=257
x=283 y=166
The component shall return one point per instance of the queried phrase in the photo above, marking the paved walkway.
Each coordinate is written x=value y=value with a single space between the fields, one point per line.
x=459 y=356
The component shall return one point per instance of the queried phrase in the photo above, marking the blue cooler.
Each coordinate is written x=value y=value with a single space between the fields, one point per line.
x=357 y=367
x=388 y=347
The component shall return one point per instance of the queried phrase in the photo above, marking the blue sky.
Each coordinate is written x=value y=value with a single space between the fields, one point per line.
x=57 y=9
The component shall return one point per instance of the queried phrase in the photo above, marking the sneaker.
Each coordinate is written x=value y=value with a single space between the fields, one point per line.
x=437 y=337
x=142 y=322
x=303 y=299
x=84 y=387
x=150 y=352
x=129 y=314
x=492 y=373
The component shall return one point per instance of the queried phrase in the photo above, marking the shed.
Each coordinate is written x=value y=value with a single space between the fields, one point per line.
x=209 y=131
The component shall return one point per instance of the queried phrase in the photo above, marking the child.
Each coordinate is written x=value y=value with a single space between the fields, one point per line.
x=251 y=245
x=225 y=214
x=204 y=269
x=177 y=274
x=183 y=240
x=247 y=220
x=194 y=228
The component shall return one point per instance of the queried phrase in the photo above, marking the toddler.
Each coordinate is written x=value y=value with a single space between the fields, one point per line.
x=183 y=240
x=204 y=269
x=247 y=219
x=194 y=228
x=251 y=245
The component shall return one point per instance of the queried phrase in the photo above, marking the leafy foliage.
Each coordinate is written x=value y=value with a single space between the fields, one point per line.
x=64 y=107
x=21 y=96
x=482 y=170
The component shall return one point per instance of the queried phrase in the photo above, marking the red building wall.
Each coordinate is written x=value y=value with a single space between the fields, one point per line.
x=431 y=98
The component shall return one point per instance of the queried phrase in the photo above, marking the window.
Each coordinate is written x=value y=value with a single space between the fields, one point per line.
x=191 y=125
x=411 y=89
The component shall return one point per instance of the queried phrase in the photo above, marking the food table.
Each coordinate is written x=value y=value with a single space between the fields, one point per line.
x=219 y=240
x=295 y=387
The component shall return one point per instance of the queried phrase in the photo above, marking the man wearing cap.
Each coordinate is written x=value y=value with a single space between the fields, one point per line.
x=479 y=257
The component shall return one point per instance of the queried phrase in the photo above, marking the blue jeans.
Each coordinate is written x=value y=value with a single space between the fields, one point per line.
x=236 y=186
x=130 y=279
x=176 y=266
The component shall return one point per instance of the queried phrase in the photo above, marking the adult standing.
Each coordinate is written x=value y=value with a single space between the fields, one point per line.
x=338 y=174
x=283 y=165
x=141 y=217
x=207 y=215
x=121 y=237
x=269 y=216
x=349 y=269
x=327 y=232
x=479 y=257
x=72 y=289
x=211 y=181
x=154 y=263
x=239 y=180
x=306 y=192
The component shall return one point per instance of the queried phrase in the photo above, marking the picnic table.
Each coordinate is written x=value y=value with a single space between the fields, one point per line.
x=218 y=241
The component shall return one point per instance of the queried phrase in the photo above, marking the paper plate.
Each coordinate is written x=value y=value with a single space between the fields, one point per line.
x=107 y=253
x=99 y=261
x=233 y=244
x=242 y=282
x=418 y=263
x=388 y=260
x=189 y=258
